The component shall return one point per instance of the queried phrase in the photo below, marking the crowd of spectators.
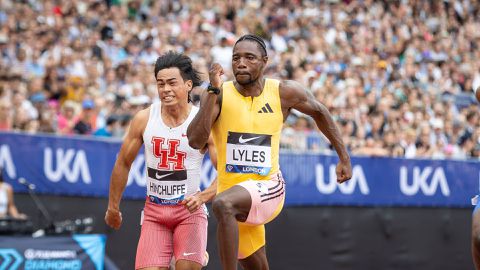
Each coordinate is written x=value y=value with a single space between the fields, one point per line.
x=398 y=76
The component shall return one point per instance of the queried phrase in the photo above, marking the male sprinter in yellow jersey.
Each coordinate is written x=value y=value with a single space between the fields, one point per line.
x=246 y=117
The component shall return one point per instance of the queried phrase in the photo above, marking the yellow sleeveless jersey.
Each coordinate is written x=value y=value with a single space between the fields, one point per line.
x=247 y=135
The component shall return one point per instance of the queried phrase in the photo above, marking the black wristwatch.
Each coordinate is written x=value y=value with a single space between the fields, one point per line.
x=210 y=88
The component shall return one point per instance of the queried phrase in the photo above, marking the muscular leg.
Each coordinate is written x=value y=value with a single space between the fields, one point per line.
x=256 y=261
x=230 y=206
x=476 y=238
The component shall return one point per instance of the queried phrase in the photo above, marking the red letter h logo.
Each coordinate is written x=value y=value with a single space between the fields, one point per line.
x=170 y=155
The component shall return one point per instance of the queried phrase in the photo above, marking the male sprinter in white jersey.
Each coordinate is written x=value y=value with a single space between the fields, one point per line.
x=476 y=219
x=175 y=218
x=246 y=117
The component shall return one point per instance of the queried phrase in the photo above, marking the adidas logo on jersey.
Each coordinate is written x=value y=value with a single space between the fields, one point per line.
x=266 y=109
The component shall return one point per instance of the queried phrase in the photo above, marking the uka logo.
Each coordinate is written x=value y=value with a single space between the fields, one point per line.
x=358 y=179
x=428 y=181
x=420 y=181
x=6 y=161
x=69 y=164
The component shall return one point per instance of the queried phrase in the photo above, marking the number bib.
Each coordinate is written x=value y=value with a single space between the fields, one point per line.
x=248 y=153
x=170 y=190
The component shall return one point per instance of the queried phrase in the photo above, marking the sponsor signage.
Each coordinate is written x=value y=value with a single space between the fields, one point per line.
x=75 y=252
x=82 y=166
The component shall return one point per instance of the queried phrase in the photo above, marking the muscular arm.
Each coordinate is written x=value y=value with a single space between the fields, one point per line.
x=192 y=203
x=295 y=96
x=129 y=150
x=198 y=131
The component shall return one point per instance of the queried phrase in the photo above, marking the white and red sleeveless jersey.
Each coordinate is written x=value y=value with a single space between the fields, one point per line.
x=173 y=167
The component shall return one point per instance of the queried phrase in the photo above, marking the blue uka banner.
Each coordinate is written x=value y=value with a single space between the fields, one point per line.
x=380 y=181
x=82 y=167
x=77 y=252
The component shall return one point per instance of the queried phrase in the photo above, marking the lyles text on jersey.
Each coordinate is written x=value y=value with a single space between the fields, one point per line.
x=250 y=156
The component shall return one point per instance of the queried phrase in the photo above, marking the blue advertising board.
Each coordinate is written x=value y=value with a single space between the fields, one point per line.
x=81 y=166
x=75 y=252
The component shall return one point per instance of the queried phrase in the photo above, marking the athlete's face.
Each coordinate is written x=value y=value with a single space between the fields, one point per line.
x=248 y=62
x=172 y=89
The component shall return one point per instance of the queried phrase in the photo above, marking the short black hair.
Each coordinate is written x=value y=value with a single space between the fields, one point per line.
x=173 y=59
x=256 y=39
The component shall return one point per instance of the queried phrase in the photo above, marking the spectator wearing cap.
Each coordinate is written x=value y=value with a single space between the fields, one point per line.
x=38 y=98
